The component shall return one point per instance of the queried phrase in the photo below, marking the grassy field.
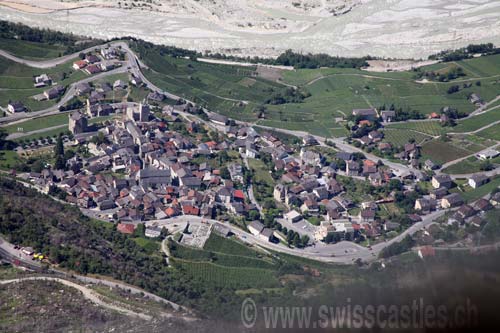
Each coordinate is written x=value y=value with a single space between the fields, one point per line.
x=8 y=158
x=476 y=122
x=31 y=50
x=38 y=123
x=16 y=82
x=468 y=165
x=492 y=133
x=220 y=244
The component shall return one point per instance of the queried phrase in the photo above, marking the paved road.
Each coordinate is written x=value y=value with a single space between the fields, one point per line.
x=17 y=135
x=341 y=145
x=342 y=252
x=70 y=93
x=45 y=63
x=250 y=193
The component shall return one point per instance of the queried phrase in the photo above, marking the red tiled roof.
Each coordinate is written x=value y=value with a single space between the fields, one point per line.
x=427 y=251
x=211 y=144
x=369 y=163
x=238 y=194
x=170 y=211
x=190 y=210
x=126 y=228
x=80 y=63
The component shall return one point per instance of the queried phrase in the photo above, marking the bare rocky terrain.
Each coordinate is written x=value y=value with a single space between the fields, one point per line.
x=387 y=28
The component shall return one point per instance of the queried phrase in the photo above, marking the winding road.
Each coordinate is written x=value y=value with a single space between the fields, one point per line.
x=343 y=252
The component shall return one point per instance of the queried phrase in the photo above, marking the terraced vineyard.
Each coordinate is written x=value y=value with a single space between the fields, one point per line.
x=234 y=277
x=225 y=262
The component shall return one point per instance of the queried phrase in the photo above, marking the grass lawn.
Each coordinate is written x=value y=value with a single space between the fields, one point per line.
x=492 y=133
x=150 y=246
x=474 y=194
x=38 y=123
x=468 y=165
x=261 y=171
x=8 y=159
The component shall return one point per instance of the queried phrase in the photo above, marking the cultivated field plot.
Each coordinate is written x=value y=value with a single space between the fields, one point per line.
x=482 y=67
x=434 y=128
x=399 y=137
x=429 y=127
x=443 y=152
x=225 y=262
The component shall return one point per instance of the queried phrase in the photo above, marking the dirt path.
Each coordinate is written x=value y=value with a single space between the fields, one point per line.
x=86 y=292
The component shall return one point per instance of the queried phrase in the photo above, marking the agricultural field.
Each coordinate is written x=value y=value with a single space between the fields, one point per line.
x=428 y=127
x=476 y=122
x=434 y=128
x=399 y=137
x=220 y=244
x=225 y=262
x=481 y=67
x=442 y=152
x=469 y=165
x=237 y=92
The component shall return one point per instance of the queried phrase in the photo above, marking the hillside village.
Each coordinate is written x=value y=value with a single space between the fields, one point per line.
x=153 y=163
x=139 y=155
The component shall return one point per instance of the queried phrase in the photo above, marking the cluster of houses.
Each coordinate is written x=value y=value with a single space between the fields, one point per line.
x=441 y=198
x=144 y=171
x=93 y=63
